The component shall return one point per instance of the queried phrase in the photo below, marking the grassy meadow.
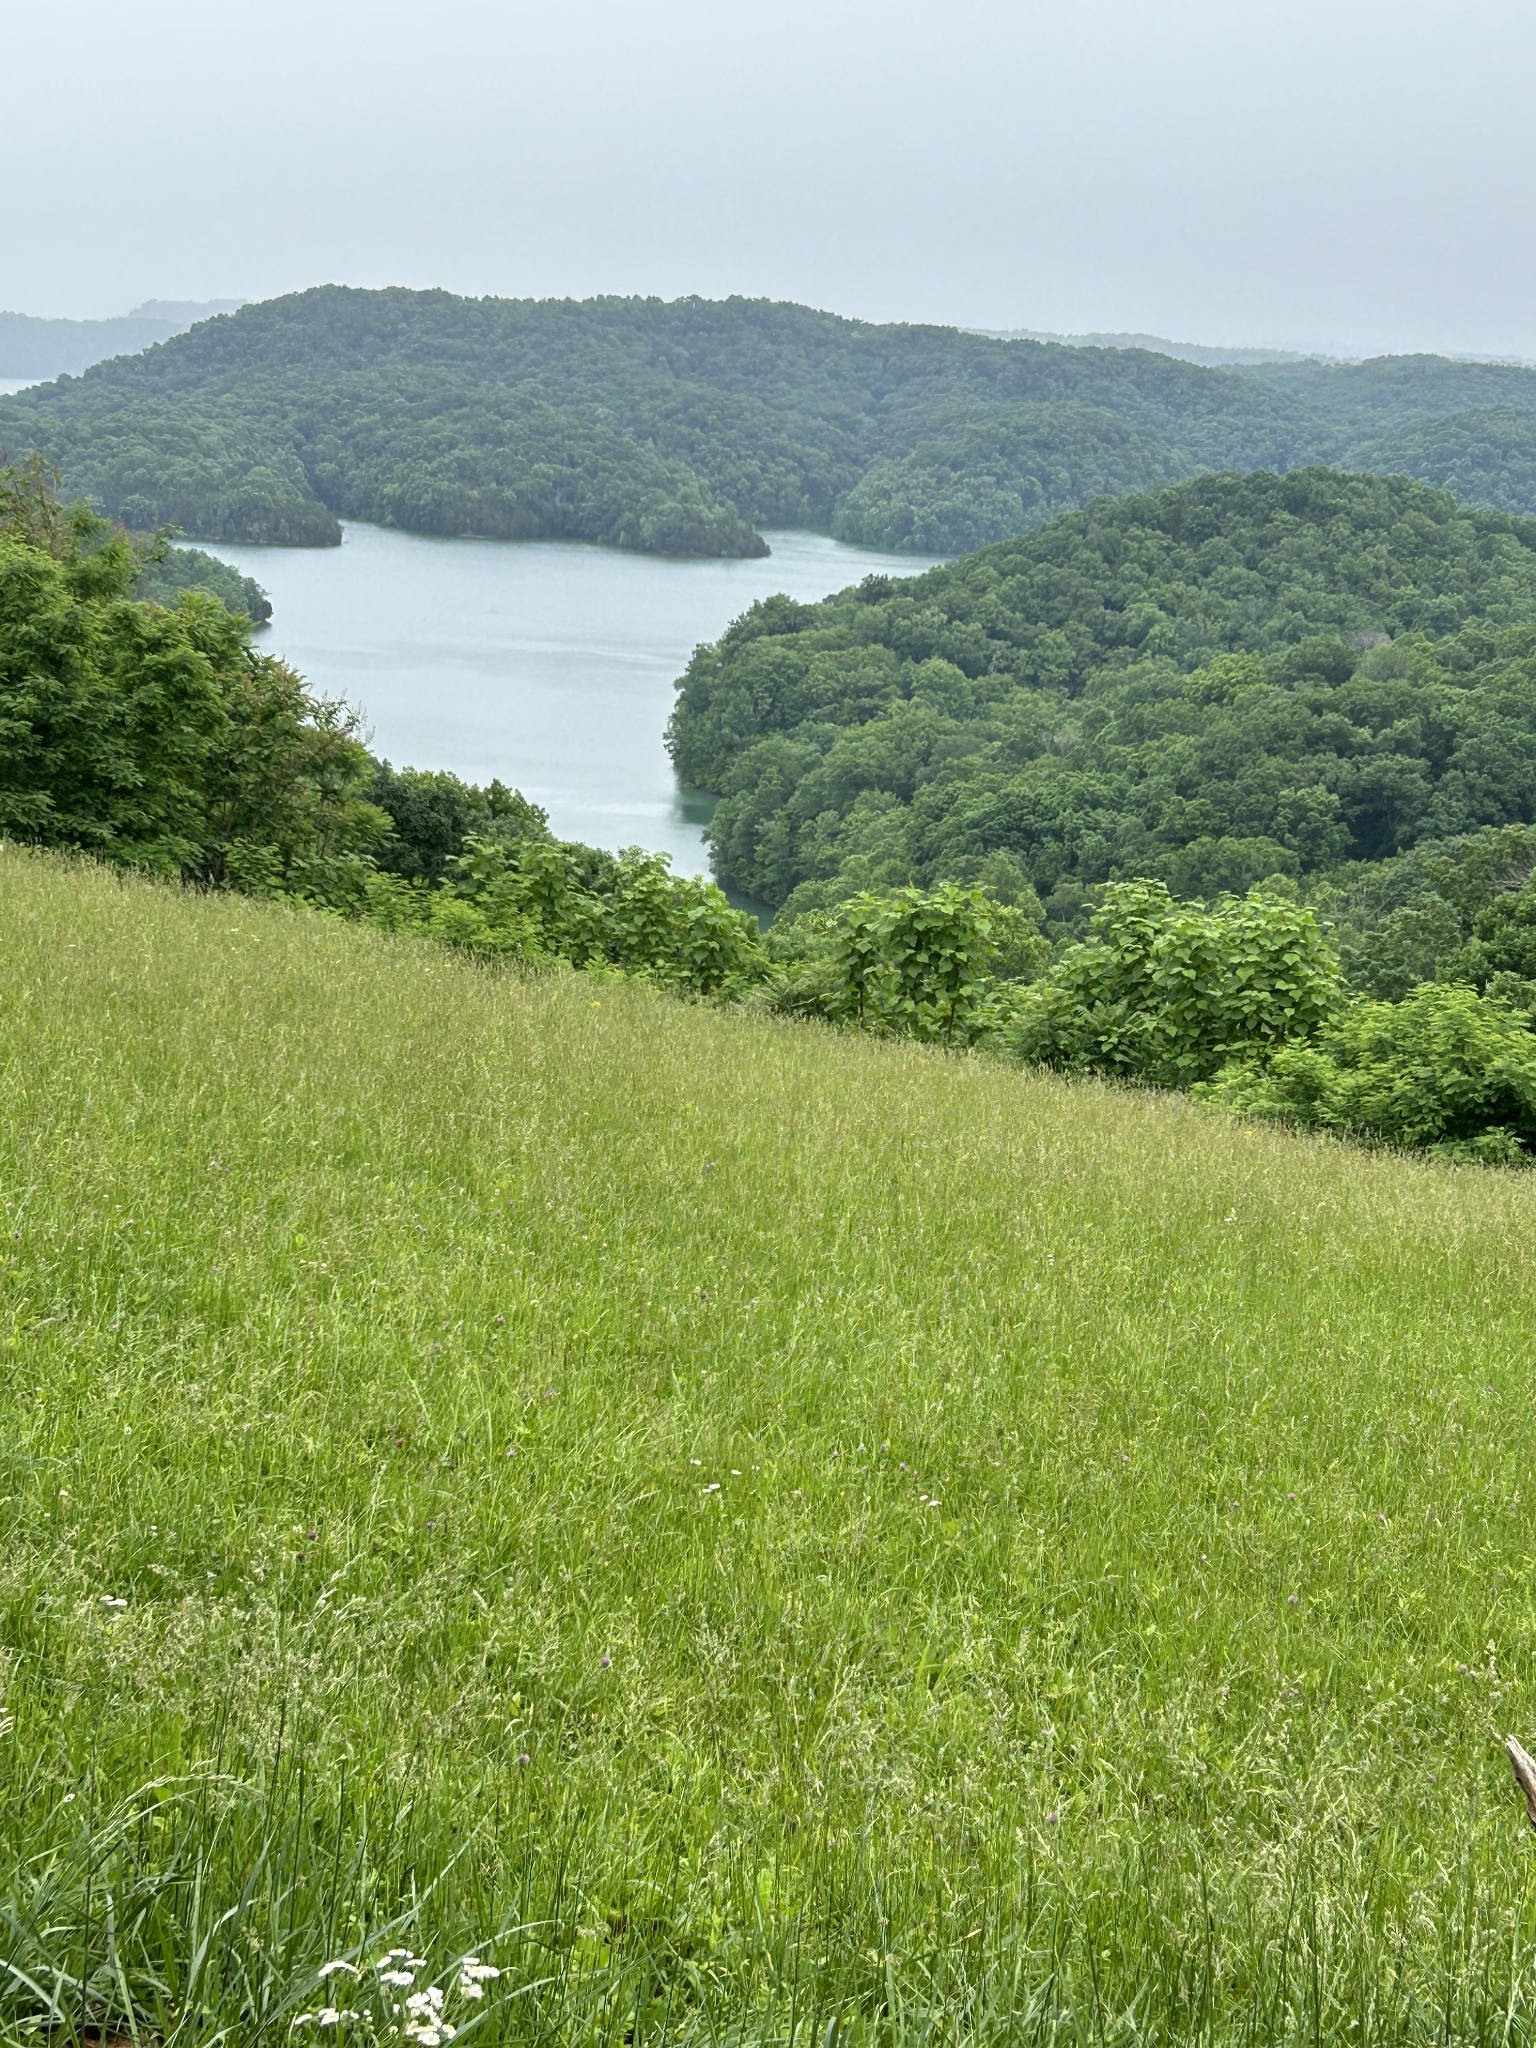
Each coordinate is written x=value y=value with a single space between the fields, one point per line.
x=762 y=1535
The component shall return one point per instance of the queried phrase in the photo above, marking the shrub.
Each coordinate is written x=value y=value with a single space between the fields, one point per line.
x=1445 y=1069
x=1166 y=992
x=556 y=899
x=433 y=813
x=915 y=962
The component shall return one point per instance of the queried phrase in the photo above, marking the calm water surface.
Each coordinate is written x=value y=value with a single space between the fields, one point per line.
x=547 y=663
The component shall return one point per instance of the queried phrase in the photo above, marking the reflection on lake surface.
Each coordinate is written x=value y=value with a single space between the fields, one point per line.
x=547 y=663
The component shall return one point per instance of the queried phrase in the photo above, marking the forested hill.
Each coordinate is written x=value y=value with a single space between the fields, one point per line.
x=1236 y=677
x=686 y=427
x=675 y=427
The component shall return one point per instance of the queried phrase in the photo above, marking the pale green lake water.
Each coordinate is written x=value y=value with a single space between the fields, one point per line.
x=547 y=663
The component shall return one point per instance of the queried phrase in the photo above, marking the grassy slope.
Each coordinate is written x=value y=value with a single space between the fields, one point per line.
x=1128 y=1676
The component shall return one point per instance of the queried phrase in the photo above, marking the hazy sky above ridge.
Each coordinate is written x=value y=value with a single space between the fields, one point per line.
x=1350 y=175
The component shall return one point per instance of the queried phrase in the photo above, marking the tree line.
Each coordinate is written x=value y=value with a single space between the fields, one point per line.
x=686 y=428
x=155 y=737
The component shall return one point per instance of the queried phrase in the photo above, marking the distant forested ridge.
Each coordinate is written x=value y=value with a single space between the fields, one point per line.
x=1213 y=356
x=685 y=428
x=1234 y=678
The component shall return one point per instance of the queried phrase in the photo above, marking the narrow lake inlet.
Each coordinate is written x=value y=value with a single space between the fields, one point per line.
x=548 y=663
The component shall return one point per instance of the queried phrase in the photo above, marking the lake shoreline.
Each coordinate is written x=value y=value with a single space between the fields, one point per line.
x=548 y=664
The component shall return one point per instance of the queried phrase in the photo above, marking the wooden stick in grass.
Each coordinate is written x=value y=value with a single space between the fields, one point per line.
x=1524 y=1766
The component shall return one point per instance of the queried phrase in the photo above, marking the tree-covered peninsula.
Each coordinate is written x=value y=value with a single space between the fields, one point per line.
x=169 y=571
x=1233 y=678
x=685 y=428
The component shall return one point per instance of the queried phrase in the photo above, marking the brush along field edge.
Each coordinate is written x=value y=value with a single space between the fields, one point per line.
x=740 y=1525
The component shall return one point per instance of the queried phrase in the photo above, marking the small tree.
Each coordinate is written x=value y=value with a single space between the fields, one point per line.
x=914 y=961
x=1164 y=991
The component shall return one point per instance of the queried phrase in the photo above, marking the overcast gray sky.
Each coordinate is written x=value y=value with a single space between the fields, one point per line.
x=1343 y=174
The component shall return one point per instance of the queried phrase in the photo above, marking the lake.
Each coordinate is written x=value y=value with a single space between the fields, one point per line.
x=548 y=663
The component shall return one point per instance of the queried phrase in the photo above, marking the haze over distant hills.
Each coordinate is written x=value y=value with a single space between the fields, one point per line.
x=1218 y=357
x=39 y=349
x=1203 y=353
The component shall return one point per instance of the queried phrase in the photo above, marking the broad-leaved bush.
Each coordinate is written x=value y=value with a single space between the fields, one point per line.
x=1166 y=992
x=1445 y=1070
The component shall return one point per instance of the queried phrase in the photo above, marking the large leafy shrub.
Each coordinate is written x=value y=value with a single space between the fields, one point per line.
x=1165 y=992
x=914 y=961
x=545 y=899
x=939 y=964
x=1445 y=1069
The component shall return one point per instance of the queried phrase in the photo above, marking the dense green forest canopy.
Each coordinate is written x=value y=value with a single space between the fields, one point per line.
x=1233 y=678
x=685 y=427
x=1390 y=387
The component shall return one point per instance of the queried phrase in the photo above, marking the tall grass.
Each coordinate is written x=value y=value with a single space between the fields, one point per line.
x=749 y=1528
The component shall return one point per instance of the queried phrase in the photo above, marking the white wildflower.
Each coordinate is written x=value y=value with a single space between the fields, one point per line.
x=327 y=2016
x=474 y=1976
x=404 y=1978
x=330 y=1969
